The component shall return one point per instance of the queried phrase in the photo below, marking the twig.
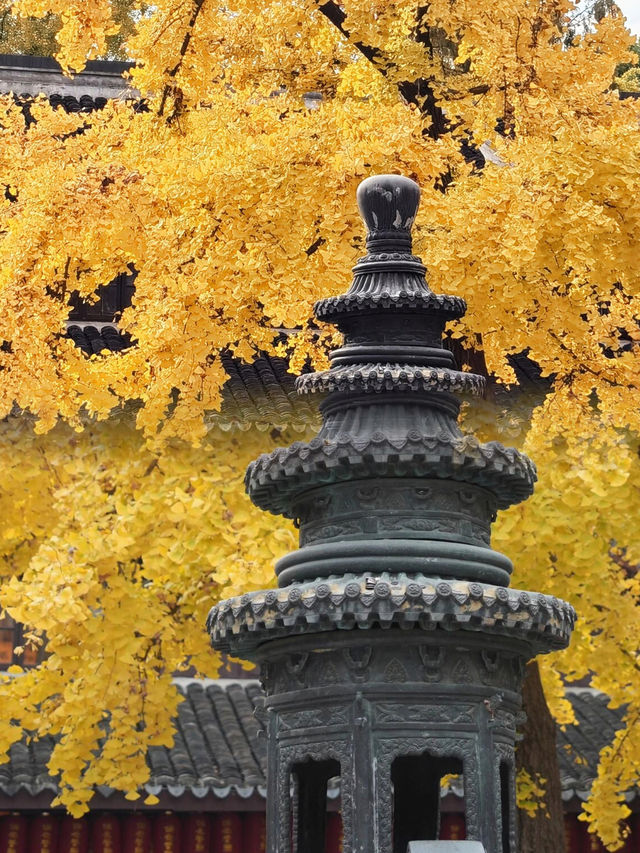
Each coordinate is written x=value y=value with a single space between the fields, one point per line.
x=197 y=7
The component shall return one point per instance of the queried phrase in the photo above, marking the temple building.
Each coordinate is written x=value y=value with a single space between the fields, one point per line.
x=212 y=783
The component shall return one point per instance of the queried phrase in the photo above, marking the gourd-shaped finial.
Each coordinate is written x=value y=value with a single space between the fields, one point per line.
x=388 y=204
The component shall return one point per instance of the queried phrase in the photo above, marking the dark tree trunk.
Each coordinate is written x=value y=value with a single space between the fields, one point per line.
x=537 y=753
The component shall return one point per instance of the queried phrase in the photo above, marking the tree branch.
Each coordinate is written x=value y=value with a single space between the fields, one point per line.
x=419 y=92
x=337 y=16
x=197 y=7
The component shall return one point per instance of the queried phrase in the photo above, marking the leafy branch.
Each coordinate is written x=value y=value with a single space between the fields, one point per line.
x=170 y=88
x=419 y=92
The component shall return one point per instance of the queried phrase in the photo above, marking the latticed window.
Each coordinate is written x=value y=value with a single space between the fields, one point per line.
x=113 y=298
x=12 y=637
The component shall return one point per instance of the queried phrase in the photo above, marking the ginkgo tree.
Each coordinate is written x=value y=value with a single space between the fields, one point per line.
x=235 y=204
x=37 y=36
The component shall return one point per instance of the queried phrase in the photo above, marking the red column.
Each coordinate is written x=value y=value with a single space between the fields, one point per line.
x=137 y=834
x=13 y=834
x=572 y=833
x=226 y=833
x=452 y=827
x=196 y=833
x=106 y=834
x=43 y=834
x=628 y=844
x=254 y=833
x=590 y=843
x=74 y=835
x=334 y=833
x=167 y=835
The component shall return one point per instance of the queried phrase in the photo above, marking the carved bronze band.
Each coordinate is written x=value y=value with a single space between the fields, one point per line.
x=428 y=356
x=408 y=508
x=420 y=556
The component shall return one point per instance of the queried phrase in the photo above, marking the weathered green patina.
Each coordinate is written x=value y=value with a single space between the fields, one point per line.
x=393 y=651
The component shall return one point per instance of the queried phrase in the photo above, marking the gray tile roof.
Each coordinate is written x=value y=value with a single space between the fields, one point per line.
x=261 y=392
x=96 y=339
x=218 y=745
x=579 y=745
x=42 y=75
x=220 y=750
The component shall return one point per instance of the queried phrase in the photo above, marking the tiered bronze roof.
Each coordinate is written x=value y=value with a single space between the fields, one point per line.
x=393 y=651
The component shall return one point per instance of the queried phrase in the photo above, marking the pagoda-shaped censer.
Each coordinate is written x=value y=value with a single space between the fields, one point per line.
x=393 y=651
